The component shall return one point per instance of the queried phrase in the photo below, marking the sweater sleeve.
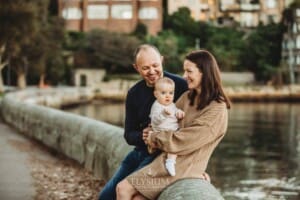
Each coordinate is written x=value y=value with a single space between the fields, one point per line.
x=157 y=115
x=132 y=135
x=180 y=102
x=204 y=130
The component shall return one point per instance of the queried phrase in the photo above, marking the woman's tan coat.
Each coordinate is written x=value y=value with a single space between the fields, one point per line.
x=200 y=133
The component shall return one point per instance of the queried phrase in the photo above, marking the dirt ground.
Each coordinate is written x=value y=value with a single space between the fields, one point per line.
x=57 y=177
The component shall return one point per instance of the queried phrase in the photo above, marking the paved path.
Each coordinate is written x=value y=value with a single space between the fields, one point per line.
x=15 y=180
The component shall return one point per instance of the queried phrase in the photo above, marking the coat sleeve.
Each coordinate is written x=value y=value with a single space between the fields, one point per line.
x=205 y=129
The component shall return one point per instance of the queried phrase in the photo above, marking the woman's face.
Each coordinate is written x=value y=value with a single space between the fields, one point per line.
x=192 y=74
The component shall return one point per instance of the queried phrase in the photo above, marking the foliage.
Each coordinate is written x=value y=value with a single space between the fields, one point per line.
x=140 y=31
x=103 y=49
x=18 y=22
x=31 y=37
x=74 y=40
x=187 y=29
x=262 y=54
x=227 y=46
x=167 y=43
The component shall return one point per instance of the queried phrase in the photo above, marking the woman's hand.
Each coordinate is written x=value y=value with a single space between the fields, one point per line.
x=179 y=114
x=146 y=134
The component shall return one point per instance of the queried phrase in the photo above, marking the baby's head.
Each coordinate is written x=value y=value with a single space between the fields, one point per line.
x=164 y=91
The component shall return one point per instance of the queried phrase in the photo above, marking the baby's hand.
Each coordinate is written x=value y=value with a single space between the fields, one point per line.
x=167 y=111
x=179 y=114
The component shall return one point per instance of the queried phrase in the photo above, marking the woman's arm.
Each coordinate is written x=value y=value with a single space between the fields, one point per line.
x=207 y=128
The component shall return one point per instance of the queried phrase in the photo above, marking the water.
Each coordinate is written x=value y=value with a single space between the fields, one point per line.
x=258 y=159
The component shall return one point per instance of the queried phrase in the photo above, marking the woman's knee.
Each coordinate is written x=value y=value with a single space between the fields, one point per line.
x=139 y=197
x=124 y=187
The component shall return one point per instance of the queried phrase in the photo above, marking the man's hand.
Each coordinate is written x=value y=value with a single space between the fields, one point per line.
x=179 y=114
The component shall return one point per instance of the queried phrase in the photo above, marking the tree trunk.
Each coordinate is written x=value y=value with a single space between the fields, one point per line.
x=2 y=65
x=22 y=80
x=1 y=82
x=42 y=81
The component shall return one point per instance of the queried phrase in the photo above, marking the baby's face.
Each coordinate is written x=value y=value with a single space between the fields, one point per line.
x=164 y=94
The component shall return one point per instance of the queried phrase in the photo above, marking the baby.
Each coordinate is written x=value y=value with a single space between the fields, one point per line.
x=164 y=115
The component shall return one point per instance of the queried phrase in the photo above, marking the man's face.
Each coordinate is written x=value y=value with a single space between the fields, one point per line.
x=149 y=66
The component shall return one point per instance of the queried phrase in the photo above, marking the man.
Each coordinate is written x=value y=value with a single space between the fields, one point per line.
x=148 y=63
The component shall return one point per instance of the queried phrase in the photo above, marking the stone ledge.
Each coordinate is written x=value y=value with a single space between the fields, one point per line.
x=99 y=146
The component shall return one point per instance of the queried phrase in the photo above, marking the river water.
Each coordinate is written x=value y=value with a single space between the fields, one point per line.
x=259 y=158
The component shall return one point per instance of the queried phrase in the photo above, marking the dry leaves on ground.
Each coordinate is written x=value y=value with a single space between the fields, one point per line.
x=60 y=178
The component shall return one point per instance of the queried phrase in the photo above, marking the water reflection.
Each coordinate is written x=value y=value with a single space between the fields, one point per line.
x=259 y=158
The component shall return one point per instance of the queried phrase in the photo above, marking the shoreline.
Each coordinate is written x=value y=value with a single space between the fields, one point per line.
x=236 y=94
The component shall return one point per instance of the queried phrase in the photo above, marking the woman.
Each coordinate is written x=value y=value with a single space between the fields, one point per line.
x=204 y=125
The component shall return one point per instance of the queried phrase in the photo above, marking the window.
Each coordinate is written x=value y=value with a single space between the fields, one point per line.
x=271 y=3
x=228 y=5
x=271 y=19
x=148 y=13
x=298 y=12
x=295 y=28
x=97 y=11
x=298 y=42
x=72 y=13
x=121 y=11
x=247 y=19
x=298 y=60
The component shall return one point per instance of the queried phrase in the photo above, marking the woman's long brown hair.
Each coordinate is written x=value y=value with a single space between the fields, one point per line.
x=211 y=86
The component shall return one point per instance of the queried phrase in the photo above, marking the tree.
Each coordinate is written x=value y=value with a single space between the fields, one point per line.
x=167 y=43
x=227 y=45
x=18 y=26
x=262 y=53
x=31 y=37
x=141 y=31
x=111 y=51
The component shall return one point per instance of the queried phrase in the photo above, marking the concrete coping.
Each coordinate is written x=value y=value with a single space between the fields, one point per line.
x=99 y=146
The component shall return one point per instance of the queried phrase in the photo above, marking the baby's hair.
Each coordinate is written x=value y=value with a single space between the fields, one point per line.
x=164 y=80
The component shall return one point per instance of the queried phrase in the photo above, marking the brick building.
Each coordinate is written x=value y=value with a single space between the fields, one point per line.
x=247 y=13
x=112 y=15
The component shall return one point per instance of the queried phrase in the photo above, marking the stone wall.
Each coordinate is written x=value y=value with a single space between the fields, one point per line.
x=99 y=146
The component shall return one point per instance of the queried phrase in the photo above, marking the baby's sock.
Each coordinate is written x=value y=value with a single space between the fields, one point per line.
x=170 y=165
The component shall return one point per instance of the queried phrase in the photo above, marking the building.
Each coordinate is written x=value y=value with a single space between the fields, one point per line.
x=201 y=10
x=112 y=15
x=247 y=13
x=291 y=48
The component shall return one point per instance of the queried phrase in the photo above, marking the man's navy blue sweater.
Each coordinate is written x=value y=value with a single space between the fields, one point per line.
x=138 y=105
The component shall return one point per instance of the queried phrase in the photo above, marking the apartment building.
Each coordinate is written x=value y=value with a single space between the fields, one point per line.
x=203 y=10
x=291 y=49
x=247 y=13
x=112 y=15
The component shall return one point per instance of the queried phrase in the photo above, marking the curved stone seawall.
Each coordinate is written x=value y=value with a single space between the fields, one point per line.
x=99 y=146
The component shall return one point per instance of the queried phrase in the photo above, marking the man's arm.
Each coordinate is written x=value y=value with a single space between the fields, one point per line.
x=132 y=135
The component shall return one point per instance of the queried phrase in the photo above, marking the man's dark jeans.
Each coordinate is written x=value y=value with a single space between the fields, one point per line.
x=135 y=160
